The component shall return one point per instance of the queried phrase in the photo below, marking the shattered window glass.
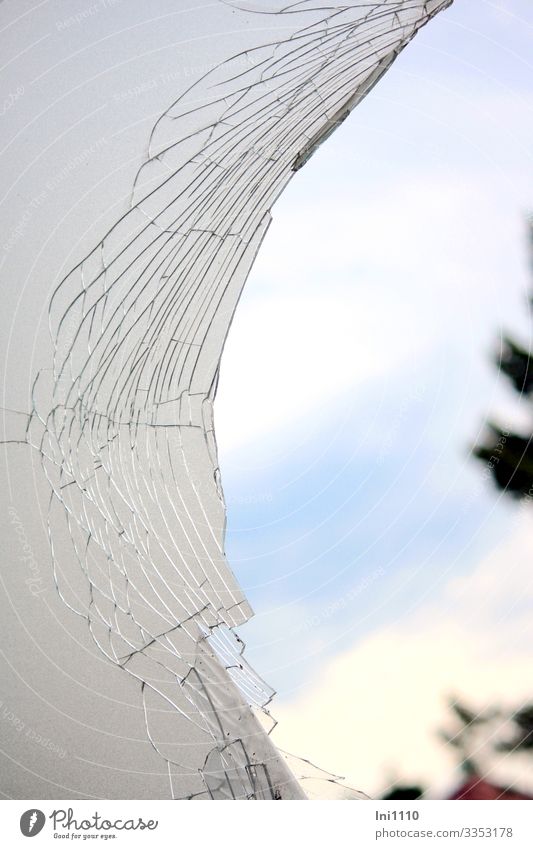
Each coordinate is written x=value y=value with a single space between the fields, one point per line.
x=120 y=414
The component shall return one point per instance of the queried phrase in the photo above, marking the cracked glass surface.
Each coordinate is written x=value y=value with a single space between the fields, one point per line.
x=120 y=421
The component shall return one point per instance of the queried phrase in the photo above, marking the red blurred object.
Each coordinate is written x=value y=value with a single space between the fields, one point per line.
x=478 y=788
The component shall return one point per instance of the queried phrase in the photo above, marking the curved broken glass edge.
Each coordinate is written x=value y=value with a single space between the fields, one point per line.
x=123 y=421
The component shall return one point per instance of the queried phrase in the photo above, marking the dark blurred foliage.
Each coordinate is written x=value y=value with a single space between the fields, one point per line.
x=515 y=362
x=463 y=735
x=465 y=740
x=404 y=791
x=465 y=723
x=522 y=741
x=508 y=455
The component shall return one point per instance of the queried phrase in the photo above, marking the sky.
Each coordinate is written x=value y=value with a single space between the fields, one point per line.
x=386 y=574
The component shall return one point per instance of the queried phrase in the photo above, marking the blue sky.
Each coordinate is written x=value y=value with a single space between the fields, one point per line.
x=357 y=375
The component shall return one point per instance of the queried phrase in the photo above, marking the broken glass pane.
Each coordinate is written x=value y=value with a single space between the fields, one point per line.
x=120 y=418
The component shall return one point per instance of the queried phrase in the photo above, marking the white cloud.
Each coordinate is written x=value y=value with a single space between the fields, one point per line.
x=348 y=292
x=374 y=712
x=288 y=355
